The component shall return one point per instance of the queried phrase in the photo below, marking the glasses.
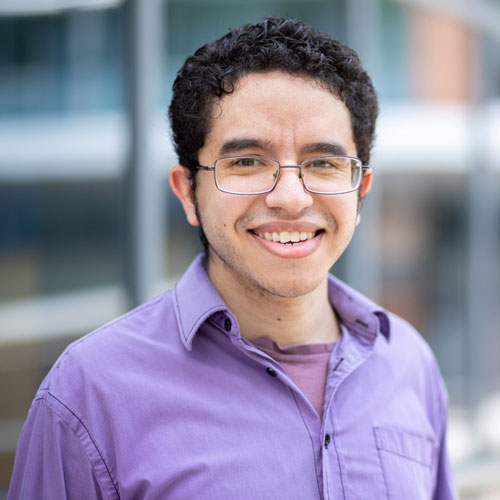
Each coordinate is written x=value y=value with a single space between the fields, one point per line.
x=258 y=175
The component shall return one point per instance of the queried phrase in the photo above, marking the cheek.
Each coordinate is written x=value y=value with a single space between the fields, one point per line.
x=345 y=209
x=218 y=211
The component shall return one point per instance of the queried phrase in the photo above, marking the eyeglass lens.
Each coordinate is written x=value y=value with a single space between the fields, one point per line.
x=247 y=174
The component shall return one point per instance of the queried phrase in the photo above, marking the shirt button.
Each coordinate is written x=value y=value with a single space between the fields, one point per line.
x=227 y=325
x=327 y=440
x=272 y=372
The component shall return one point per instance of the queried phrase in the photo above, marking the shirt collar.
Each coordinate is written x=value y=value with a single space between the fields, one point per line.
x=356 y=311
x=196 y=300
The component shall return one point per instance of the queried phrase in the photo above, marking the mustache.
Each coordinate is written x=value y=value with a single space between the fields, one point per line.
x=320 y=218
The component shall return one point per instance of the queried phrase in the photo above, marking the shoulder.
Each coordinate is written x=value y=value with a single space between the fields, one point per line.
x=105 y=356
x=398 y=349
x=97 y=391
x=412 y=352
x=414 y=367
x=391 y=332
x=405 y=338
x=407 y=373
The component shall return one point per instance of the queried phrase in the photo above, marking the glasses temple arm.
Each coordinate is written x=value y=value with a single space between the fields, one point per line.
x=205 y=168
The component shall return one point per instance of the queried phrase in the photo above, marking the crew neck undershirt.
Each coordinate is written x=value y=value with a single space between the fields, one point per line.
x=305 y=364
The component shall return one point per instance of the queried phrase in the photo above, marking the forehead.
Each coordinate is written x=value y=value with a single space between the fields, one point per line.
x=287 y=111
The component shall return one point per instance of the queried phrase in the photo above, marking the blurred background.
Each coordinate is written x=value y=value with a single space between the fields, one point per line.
x=89 y=227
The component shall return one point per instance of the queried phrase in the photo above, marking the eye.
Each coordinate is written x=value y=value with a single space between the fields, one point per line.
x=330 y=163
x=247 y=161
x=320 y=164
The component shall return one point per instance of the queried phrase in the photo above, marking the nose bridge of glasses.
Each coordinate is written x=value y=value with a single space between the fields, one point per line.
x=289 y=185
x=282 y=167
x=298 y=167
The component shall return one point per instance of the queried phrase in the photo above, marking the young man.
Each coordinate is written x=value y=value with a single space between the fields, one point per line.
x=259 y=376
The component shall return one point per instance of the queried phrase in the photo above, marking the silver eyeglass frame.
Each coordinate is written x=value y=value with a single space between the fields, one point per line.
x=364 y=169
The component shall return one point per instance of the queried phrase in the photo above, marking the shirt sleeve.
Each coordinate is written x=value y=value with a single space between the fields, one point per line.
x=445 y=486
x=57 y=458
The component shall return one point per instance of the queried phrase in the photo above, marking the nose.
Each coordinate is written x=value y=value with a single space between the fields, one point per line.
x=289 y=193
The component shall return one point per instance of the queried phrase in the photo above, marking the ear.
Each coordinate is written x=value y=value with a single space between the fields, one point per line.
x=366 y=185
x=366 y=182
x=182 y=187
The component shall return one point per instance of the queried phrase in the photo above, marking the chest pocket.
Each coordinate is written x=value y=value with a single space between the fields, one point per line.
x=408 y=463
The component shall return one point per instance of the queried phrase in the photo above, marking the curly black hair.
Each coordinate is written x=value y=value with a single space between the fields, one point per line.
x=275 y=44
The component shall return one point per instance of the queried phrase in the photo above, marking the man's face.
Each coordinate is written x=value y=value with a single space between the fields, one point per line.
x=290 y=119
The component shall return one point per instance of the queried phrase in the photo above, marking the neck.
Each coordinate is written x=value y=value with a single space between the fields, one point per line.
x=305 y=319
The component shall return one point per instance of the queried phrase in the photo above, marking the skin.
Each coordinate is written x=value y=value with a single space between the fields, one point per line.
x=274 y=289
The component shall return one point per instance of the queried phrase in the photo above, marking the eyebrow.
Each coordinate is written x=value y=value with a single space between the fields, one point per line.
x=330 y=148
x=234 y=146
x=237 y=145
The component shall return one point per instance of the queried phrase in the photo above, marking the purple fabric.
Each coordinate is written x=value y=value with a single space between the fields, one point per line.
x=305 y=364
x=169 y=402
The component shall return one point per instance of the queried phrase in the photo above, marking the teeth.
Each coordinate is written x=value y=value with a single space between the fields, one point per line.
x=284 y=237
x=287 y=236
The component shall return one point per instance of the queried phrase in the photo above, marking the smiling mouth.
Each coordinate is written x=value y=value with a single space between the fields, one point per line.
x=288 y=237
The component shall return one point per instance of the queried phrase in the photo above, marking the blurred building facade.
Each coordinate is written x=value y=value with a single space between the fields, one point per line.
x=89 y=228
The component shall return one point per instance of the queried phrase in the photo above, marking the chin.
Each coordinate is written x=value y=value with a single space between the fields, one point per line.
x=288 y=289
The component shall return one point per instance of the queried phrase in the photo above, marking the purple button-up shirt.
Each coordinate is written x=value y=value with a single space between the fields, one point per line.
x=170 y=402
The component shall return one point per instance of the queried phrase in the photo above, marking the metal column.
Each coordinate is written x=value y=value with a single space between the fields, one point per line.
x=362 y=257
x=142 y=190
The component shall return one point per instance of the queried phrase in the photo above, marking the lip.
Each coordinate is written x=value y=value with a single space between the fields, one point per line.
x=289 y=250
x=278 y=227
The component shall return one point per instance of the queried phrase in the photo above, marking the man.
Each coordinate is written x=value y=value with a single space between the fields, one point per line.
x=259 y=376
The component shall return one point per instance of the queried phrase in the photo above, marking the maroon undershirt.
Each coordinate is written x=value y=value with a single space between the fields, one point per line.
x=305 y=364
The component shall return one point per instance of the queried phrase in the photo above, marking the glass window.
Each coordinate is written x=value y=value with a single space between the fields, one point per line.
x=192 y=23
x=50 y=64
x=58 y=236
